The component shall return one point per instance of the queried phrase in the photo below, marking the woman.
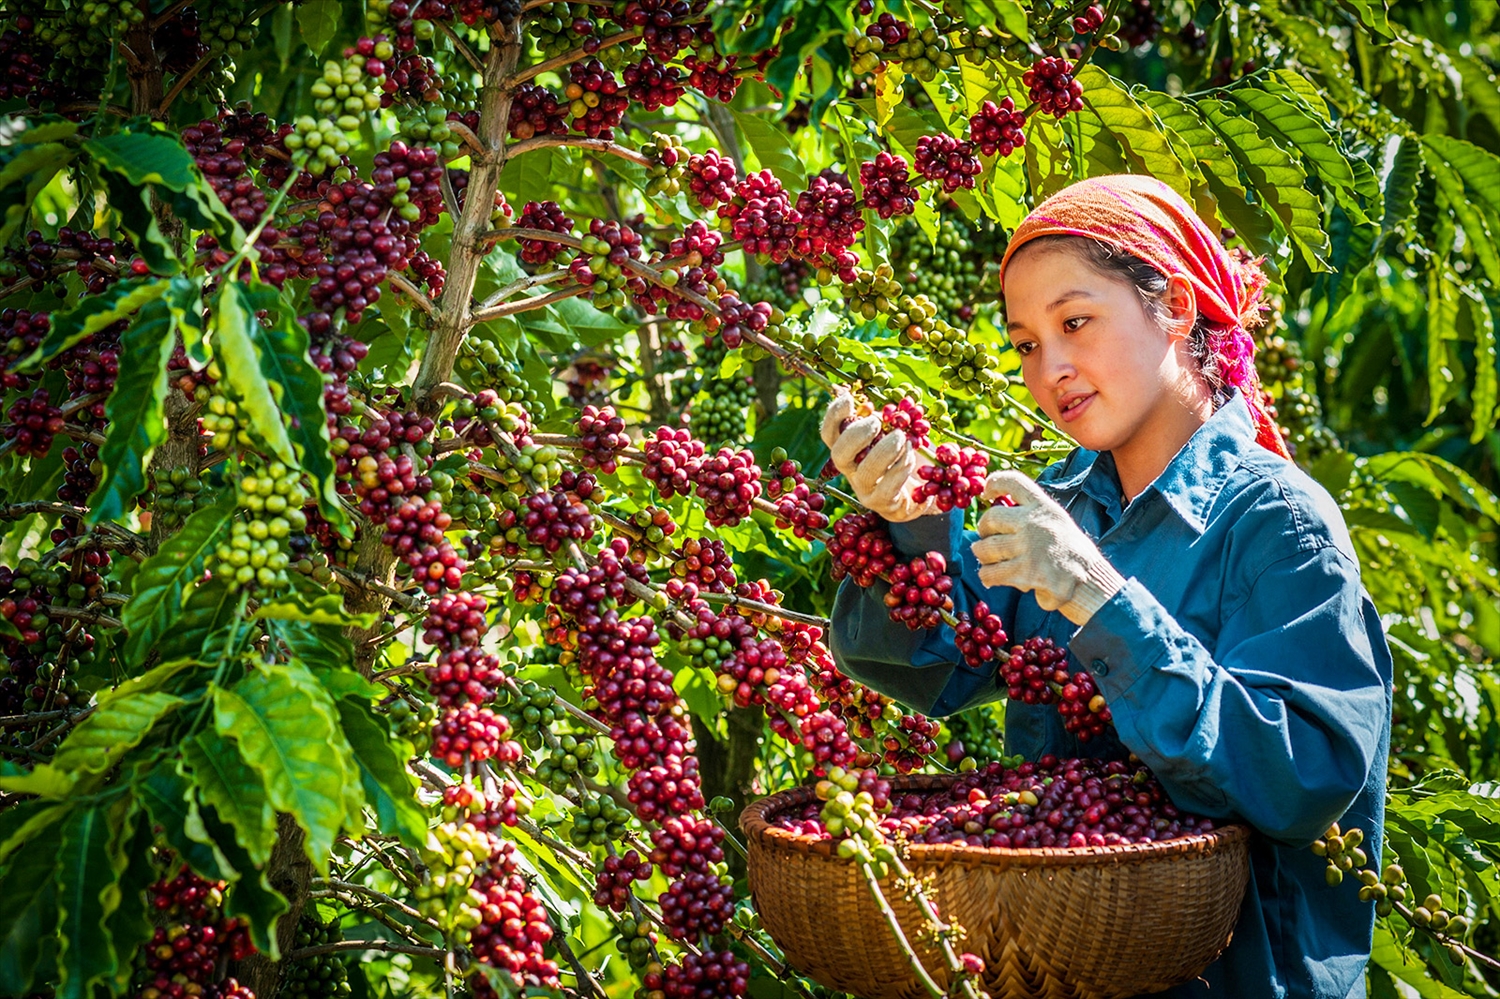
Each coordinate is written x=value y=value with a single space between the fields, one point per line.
x=1207 y=583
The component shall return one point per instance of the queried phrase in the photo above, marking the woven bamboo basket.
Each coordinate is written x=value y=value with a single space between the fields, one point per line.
x=1094 y=923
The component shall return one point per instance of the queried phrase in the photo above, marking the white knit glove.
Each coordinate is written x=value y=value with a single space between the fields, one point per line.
x=1036 y=546
x=883 y=481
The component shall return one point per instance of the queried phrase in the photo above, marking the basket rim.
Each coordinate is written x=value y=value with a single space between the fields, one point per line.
x=756 y=824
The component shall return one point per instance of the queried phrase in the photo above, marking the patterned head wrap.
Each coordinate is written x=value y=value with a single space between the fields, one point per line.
x=1143 y=217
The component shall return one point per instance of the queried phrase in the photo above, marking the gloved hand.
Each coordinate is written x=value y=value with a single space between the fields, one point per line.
x=1036 y=546
x=883 y=481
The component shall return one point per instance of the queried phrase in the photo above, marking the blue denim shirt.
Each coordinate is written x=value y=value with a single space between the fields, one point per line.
x=1242 y=661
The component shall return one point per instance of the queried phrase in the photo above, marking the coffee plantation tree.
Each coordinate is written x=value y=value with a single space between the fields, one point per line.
x=417 y=527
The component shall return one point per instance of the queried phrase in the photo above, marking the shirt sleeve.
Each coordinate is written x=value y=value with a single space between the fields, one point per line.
x=1281 y=724
x=921 y=669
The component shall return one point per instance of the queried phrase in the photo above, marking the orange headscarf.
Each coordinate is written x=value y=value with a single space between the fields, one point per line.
x=1147 y=219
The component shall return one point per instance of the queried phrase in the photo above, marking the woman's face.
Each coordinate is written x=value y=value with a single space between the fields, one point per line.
x=1092 y=357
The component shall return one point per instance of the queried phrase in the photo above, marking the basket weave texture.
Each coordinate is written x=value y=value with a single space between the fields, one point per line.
x=1094 y=923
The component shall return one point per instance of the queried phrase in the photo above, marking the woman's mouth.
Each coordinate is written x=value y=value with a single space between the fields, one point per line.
x=1075 y=407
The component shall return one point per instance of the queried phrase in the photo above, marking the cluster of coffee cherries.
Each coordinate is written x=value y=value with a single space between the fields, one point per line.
x=1052 y=86
x=887 y=185
x=256 y=554
x=728 y=482
x=321 y=976
x=600 y=265
x=947 y=160
x=1036 y=672
x=920 y=592
x=955 y=480
x=997 y=129
x=191 y=942
x=1051 y=803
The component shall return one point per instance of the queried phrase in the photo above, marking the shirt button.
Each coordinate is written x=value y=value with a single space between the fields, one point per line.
x=1101 y=668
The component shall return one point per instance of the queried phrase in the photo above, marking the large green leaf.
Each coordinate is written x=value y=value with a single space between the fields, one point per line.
x=1137 y=130
x=25 y=169
x=1401 y=187
x=28 y=919
x=1479 y=168
x=319 y=21
x=236 y=332
x=122 y=718
x=86 y=896
x=1289 y=116
x=318 y=645
x=1277 y=177
x=285 y=725
x=1455 y=199
x=159 y=162
x=130 y=924
x=21 y=822
x=235 y=791
x=134 y=410
x=93 y=314
x=168 y=798
x=772 y=148
x=204 y=627
x=284 y=361
x=1442 y=329
x=1482 y=398
x=156 y=604
x=389 y=787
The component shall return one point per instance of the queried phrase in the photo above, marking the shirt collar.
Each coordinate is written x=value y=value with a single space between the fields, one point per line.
x=1192 y=479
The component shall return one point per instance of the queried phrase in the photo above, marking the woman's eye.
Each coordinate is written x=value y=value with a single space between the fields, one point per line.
x=1025 y=347
x=1072 y=324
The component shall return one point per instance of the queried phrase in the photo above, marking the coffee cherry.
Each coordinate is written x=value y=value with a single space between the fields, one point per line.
x=33 y=422
x=547 y=215
x=887 y=186
x=706 y=975
x=536 y=111
x=695 y=904
x=980 y=637
x=712 y=178
x=997 y=129
x=597 y=103
x=919 y=592
x=1052 y=86
x=861 y=547
x=614 y=877
x=1034 y=671
x=944 y=158
x=955 y=481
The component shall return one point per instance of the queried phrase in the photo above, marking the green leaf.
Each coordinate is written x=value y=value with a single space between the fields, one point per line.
x=1401 y=188
x=24 y=171
x=286 y=363
x=1371 y=13
x=93 y=314
x=201 y=630
x=235 y=335
x=1442 y=323
x=1482 y=397
x=1136 y=129
x=1283 y=80
x=235 y=791
x=21 y=822
x=130 y=925
x=389 y=788
x=589 y=326
x=325 y=609
x=86 y=896
x=1453 y=197
x=283 y=722
x=168 y=798
x=320 y=645
x=1479 y=168
x=1278 y=178
x=123 y=717
x=1289 y=116
x=772 y=147
x=134 y=410
x=319 y=21
x=156 y=605
x=146 y=158
x=252 y=898
x=28 y=919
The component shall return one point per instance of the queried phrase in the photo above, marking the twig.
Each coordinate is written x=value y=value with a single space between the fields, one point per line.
x=403 y=284
x=84 y=614
x=381 y=897
x=559 y=61
x=359 y=579
x=181 y=82
x=389 y=946
x=527 y=304
x=533 y=281
x=772 y=610
x=18 y=721
x=597 y=145
x=884 y=906
x=461 y=46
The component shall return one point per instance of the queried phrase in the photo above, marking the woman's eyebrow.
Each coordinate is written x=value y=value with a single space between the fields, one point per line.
x=1068 y=296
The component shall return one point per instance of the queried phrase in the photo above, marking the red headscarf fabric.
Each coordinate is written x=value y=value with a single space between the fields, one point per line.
x=1146 y=218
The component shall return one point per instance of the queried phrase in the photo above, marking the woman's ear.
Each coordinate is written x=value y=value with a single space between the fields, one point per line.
x=1180 y=301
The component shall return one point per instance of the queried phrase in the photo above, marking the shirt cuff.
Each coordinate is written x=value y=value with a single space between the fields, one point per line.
x=942 y=533
x=1124 y=639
